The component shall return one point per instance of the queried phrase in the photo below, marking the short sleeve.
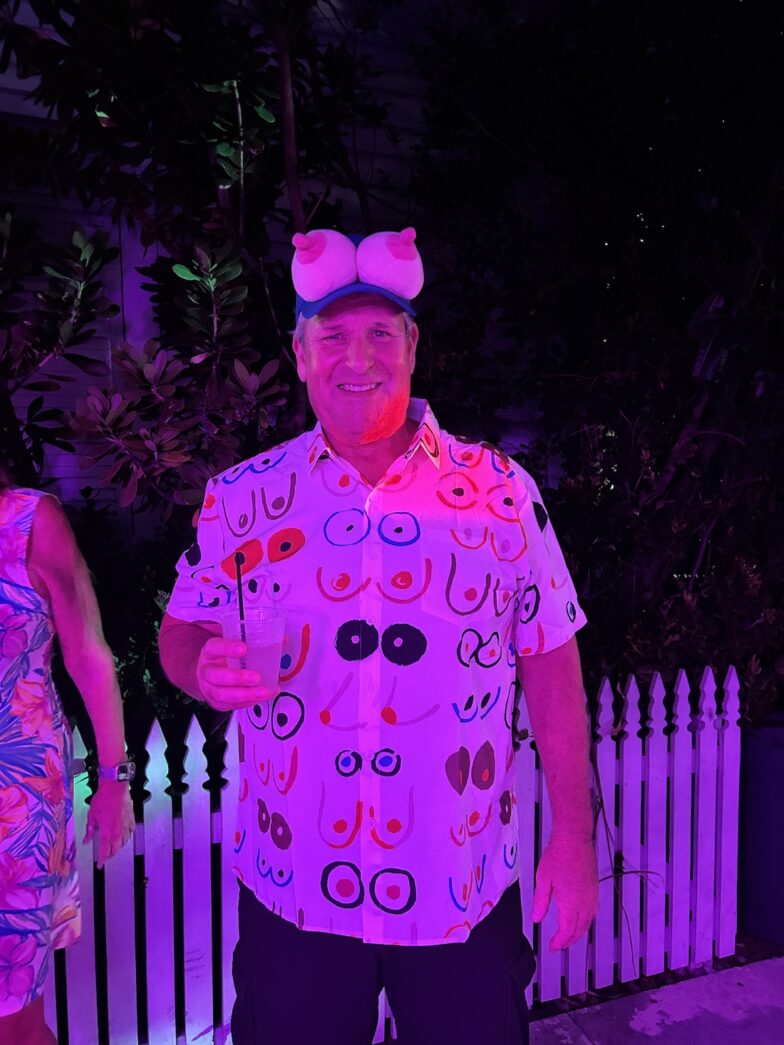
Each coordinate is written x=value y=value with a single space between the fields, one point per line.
x=202 y=589
x=547 y=612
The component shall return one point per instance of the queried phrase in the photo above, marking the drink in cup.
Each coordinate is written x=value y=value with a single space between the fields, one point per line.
x=262 y=632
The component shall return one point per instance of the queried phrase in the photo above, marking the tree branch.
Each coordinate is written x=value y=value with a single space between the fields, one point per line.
x=283 y=43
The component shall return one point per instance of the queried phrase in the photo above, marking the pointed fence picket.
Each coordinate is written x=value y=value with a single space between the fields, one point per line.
x=654 y=845
x=550 y=963
x=577 y=954
x=630 y=770
x=727 y=792
x=193 y=836
x=603 y=929
x=159 y=894
x=704 y=859
x=667 y=780
x=120 y=942
x=226 y=829
x=80 y=957
x=678 y=869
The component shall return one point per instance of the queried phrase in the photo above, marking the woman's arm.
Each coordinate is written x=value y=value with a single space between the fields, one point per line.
x=59 y=574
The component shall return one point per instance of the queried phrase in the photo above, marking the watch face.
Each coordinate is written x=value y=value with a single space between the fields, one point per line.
x=126 y=771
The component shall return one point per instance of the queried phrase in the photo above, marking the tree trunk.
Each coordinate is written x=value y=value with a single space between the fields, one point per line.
x=288 y=130
x=13 y=451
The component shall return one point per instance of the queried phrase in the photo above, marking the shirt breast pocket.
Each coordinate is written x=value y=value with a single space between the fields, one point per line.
x=467 y=584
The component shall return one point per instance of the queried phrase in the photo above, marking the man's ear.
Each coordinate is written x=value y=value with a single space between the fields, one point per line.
x=413 y=340
x=299 y=354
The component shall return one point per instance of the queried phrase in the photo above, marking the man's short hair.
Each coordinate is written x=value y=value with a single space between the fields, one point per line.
x=302 y=323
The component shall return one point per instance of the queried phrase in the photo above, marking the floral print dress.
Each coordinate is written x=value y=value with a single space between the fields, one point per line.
x=39 y=891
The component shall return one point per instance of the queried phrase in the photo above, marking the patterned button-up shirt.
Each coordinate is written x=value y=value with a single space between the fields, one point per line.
x=376 y=790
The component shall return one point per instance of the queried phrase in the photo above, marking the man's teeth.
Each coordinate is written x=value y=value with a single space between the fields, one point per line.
x=358 y=388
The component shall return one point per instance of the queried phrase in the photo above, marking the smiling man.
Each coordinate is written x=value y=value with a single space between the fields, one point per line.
x=421 y=582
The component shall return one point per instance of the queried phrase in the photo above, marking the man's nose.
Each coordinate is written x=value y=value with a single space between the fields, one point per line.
x=359 y=355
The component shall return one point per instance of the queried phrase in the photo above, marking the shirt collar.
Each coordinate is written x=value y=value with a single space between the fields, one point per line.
x=427 y=438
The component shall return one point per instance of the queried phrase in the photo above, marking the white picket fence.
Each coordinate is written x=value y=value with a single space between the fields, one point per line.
x=667 y=846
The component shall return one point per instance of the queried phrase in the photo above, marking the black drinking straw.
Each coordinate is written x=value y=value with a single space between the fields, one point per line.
x=239 y=559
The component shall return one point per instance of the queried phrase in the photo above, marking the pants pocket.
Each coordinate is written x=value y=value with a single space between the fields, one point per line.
x=242 y=1018
x=519 y=974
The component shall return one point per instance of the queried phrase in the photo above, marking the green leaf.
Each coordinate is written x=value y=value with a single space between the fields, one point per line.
x=229 y=272
x=226 y=149
x=234 y=296
x=185 y=273
x=264 y=113
x=54 y=273
x=230 y=168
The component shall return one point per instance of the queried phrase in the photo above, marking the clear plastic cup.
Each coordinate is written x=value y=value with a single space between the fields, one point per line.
x=262 y=632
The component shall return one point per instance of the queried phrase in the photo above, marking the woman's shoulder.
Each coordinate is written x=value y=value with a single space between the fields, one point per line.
x=20 y=505
x=17 y=505
x=25 y=495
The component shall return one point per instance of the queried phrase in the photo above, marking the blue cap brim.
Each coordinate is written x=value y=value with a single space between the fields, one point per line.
x=309 y=309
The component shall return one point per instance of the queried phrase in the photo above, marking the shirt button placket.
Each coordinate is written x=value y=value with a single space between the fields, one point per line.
x=370 y=678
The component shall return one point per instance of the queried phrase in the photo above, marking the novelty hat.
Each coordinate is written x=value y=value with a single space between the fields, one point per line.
x=328 y=265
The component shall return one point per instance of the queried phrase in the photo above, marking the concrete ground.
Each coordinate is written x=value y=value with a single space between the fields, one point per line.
x=743 y=1004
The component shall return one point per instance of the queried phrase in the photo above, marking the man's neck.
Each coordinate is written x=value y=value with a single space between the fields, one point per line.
x=372 y=460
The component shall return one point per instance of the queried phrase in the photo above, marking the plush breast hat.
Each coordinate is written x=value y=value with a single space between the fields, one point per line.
x=328 y=265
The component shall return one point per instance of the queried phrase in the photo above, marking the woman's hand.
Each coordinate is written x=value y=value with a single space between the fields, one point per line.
x=111 y=815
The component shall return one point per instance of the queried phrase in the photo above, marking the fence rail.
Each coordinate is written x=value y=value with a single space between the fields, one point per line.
x=160 y=921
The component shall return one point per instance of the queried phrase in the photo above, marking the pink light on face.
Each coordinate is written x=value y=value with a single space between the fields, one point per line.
x=358 y=341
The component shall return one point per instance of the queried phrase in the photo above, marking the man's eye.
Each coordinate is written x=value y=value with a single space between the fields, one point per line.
x=382 y=333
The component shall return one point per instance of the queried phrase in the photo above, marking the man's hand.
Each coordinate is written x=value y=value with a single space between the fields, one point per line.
x=111 y=815
x=568 y=872
x=223 y=687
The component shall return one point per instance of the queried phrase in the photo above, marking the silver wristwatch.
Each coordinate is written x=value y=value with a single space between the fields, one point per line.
x=123 y=771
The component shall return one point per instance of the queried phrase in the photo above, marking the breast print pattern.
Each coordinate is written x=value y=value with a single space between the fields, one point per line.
x=376 y=790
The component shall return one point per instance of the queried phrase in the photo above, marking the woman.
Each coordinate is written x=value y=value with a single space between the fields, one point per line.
x=45 y=589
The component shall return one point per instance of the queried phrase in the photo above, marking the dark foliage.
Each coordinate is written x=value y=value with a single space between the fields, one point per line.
x=598 y=193
x=601 y=188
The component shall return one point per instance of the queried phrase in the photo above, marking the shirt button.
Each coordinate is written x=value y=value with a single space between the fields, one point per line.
x=369 y=621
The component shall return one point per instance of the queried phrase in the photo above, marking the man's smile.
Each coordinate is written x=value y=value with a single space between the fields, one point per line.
x=355 y=388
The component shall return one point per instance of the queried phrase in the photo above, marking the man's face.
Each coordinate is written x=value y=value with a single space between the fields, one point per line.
x=357 y=362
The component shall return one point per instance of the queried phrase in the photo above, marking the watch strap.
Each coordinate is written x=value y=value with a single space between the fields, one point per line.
x=123 y=771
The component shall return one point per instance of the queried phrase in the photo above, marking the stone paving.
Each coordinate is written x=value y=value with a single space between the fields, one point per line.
x=743 y=1004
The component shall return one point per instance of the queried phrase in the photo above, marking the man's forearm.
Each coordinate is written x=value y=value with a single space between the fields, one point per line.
x=553 y=687
x=180 y=644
